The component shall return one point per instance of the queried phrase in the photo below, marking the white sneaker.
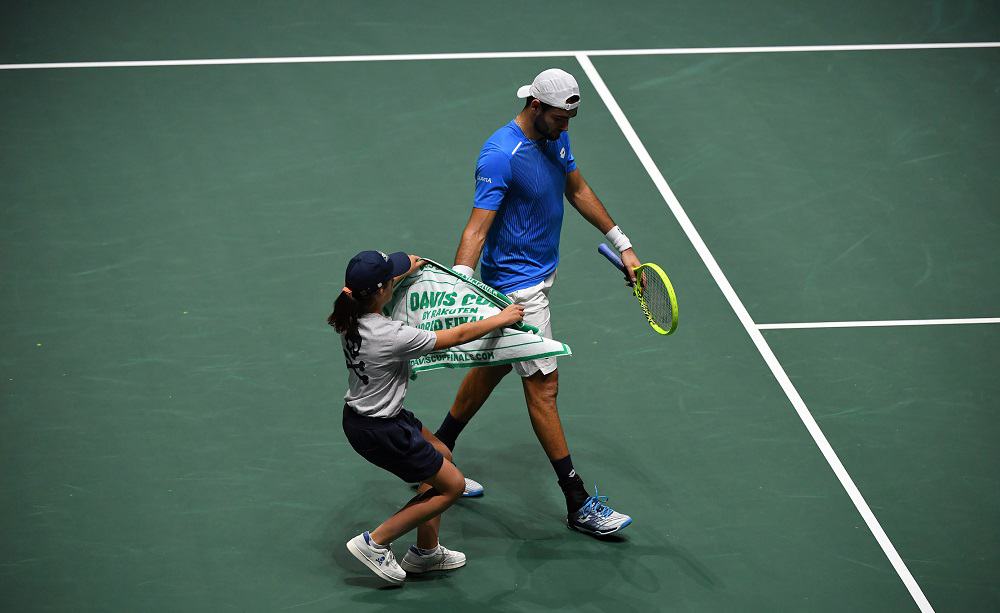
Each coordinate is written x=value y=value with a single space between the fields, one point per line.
x=440 y=559
x=380 y=561
x=472 y=489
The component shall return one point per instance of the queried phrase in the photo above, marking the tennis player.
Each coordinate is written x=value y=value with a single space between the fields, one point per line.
x=523 y=171
x=378 y=350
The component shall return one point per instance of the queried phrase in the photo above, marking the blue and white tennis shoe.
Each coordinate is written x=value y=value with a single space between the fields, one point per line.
x=473 y=489
x=597 y=518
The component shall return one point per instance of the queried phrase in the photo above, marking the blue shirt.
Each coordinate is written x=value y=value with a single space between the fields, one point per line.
x=523 y=180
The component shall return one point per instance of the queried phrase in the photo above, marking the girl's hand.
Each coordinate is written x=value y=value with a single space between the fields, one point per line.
x=416 y=263
x=511 y=315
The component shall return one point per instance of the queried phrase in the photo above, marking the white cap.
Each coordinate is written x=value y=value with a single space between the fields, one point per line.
x=555 y=88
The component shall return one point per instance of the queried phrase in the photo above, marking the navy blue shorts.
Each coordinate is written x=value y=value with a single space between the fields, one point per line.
x=393 y=443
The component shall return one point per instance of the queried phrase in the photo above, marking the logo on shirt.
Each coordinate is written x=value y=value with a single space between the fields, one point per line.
x=562 y=153
x=484 y=179
x=353 y=350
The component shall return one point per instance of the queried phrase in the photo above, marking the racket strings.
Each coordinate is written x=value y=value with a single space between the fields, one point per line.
x=654 y=293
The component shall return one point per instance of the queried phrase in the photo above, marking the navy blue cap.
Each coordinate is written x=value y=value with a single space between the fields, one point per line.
x=369 y=270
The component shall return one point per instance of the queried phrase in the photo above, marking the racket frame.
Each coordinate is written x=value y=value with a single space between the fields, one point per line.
x=616 y=261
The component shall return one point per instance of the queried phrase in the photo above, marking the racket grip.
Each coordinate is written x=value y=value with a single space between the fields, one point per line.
x=612 y=257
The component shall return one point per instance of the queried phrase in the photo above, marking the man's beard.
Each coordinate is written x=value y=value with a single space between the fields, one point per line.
x=545 y=130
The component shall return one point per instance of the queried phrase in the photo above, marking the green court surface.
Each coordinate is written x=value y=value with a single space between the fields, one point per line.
x=882 y=163
x=911 y=415
x=120 y=30
x=171 y=239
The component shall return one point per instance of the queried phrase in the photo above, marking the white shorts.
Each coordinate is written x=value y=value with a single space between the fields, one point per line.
x=535 y=300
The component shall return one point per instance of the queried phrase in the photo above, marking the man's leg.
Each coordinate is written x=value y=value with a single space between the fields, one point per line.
x=476 y=387
x=583 y=512
x=540 y=392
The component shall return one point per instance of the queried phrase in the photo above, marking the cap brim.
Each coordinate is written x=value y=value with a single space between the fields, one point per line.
x=524 y=91
x=400 y=263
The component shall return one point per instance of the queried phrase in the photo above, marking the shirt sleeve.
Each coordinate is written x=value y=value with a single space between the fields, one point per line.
x=570 y=160
x=411 y=343
x=492 y=178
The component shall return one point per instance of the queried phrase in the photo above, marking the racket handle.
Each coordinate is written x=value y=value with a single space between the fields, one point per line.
x=612 y=257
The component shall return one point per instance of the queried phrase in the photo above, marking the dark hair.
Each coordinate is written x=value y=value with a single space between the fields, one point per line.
x=344 y=318
x=544 y=107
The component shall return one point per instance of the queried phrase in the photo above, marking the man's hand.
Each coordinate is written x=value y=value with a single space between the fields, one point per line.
x=631 y=262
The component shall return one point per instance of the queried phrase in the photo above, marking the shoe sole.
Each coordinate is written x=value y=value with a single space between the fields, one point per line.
x=417 y=571
x=371 y=566
x=595 y=533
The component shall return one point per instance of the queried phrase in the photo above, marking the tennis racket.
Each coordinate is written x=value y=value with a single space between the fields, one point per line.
x=652 y=289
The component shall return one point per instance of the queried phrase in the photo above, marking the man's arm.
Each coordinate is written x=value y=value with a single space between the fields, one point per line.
x=492 y=177
x=585 y=201
x=473 y=238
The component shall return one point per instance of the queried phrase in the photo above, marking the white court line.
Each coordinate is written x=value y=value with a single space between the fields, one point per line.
x=879 y=324
x=756 y=336
x=326 y=59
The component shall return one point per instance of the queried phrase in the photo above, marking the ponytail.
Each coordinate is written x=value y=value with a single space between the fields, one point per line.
x=344 y=318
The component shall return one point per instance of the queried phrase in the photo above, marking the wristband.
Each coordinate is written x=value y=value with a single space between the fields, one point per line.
x=618 y=239
x=463 y=269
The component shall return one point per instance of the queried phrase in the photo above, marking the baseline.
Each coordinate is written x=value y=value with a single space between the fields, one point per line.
x=323 y=59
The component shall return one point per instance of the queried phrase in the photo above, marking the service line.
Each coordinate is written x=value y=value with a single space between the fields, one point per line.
x=878 y=324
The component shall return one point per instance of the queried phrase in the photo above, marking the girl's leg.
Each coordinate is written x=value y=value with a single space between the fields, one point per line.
x=427 y=532
x=439 y=492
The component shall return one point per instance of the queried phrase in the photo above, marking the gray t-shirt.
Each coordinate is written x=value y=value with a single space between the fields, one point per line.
x=379 y=369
